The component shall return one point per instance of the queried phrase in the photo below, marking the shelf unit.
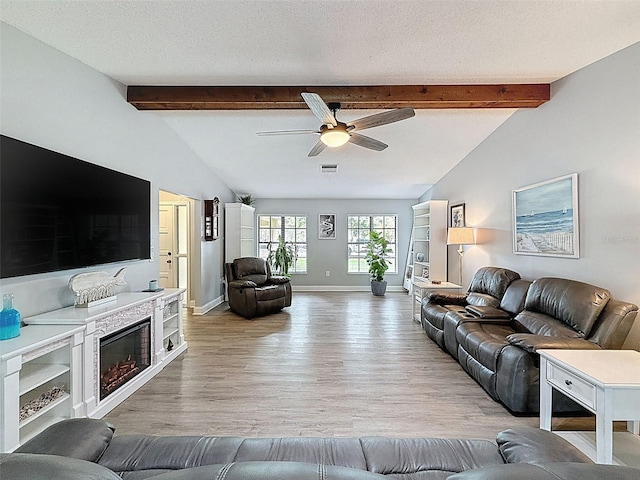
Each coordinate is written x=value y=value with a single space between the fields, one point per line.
x=428 y=246
x=41 y=358
x=172 y=323
x=239 y=231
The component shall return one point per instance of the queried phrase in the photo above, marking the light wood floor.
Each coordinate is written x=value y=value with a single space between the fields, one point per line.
x=333 y=364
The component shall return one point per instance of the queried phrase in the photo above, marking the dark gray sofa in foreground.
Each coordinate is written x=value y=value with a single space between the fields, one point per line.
x=496 y=329
x=88 y=449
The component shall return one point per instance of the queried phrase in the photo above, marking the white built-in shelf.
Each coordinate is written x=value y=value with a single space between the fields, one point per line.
x=58 y=401
x=34 y=374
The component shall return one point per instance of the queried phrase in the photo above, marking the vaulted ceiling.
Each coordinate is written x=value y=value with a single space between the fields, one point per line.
x=331 y=43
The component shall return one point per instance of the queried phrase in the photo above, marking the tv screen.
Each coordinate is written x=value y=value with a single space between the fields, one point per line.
x=58 y=212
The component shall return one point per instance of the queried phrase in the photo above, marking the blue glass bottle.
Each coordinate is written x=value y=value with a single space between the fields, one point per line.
x=9 y=318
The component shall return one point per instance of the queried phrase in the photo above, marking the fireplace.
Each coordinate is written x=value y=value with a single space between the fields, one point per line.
x=123 y=355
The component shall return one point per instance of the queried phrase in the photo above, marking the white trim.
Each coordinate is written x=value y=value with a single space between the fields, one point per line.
x=208 y=306
x=342 y=288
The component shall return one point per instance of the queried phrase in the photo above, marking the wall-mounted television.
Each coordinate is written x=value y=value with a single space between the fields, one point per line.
x=58 y=212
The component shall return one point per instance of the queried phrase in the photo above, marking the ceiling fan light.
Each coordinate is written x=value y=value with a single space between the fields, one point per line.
x=334 y=137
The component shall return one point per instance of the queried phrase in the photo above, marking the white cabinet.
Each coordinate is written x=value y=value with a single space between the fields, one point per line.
x=428 y=249
x=41 y=381
x=172 y=321
x=239 y=231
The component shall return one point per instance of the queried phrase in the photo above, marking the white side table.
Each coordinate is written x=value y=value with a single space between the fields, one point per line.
x=420 y=289
x=605 y=382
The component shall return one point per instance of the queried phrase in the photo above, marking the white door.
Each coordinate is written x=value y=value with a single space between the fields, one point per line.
x=167 y=221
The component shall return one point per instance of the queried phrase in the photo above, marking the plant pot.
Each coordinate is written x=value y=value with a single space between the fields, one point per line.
x=378 y=288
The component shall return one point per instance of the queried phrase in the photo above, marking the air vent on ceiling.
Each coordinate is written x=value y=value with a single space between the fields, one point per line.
x=328 y=168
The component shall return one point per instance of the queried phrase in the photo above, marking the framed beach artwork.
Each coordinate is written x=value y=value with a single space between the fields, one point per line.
x=545 y=218
x=327 y=226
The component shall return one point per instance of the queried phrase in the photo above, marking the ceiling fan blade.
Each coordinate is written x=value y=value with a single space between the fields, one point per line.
x=367 y=142
x=287 y=132
x=319 y=108
x=381 y=118
x=317 y=149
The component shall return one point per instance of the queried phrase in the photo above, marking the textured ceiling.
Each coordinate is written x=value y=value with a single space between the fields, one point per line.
x=331 y=42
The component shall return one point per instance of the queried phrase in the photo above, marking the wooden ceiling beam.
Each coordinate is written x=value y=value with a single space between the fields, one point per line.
x=350 y=97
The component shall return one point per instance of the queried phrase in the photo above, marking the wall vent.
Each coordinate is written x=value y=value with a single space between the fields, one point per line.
x=328 y=168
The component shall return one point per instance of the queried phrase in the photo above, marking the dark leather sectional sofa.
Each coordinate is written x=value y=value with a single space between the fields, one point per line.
x=496 y=328
x=87 y=449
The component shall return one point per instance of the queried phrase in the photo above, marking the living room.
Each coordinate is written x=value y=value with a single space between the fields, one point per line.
x=589 y=127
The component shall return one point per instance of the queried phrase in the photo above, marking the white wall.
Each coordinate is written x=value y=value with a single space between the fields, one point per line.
x=331 y=255
x=52 y=100
x=590 y=126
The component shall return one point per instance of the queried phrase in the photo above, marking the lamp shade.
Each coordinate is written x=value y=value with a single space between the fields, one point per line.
x=461 y=236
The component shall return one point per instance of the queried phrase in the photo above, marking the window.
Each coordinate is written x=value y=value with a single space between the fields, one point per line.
x=292 y=228
x=358 y=228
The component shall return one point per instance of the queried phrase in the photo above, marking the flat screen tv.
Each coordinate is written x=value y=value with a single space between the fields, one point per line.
x=58 y=212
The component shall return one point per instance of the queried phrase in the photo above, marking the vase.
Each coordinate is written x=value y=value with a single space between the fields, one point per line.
x=9 y=318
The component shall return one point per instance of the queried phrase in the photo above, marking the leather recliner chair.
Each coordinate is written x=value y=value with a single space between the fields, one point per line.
x=253 y=291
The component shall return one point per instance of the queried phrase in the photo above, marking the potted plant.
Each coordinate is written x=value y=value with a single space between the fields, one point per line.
x=246 y=199
x=282 y=257
x=377 y=249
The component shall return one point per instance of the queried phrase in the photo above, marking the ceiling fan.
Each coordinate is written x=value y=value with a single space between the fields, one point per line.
x=334 y=133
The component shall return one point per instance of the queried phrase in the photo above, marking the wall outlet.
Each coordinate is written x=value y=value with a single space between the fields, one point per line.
x=327 y=273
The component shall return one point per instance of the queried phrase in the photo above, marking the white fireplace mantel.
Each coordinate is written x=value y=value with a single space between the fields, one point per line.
x=108 y=318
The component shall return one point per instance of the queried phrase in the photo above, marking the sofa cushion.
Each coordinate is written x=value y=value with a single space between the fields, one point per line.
x=270 y=471
x=431 y=457
x=251 y=268
x=541 y=324
x=550 y=471
x=492 y=281
x=32 y=466
x=574 y=303
x=482 y=299
x=514 y=297
x=532 y=343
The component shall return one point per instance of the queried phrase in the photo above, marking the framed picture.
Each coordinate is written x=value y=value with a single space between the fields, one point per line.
x=545 y=218
x=327 y=226
x=457 y=216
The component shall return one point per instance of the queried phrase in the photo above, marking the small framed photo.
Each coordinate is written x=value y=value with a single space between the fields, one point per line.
x=327 y=226
x=457 y=216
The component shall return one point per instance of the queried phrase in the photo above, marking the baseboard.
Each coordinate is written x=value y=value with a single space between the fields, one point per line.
x=341 y=288
x=209 y=306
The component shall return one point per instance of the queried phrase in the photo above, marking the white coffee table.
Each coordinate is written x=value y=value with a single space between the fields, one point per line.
x=605 y=382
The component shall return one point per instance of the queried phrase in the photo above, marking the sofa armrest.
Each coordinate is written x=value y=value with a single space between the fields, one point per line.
x=533 y=445
x=443 y=298
x=481 y=311
x=242 y=284
x=278 y=280
x=532 y=343
x=81 y=438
